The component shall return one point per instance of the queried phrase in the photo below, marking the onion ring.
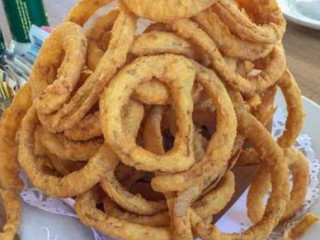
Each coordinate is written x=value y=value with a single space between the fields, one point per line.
x=214 y=200
x=211 y=203
x=179 y=206
x=277 y=203
x=270 y=27
x=143 y=69
x=294 y=122
x=296 y=114
x=84 y=9
x=217 y=199
x=150 y=43
x=261 y=185
x=265 y=110
x=88 y=94
x=12 y=206
x=68 y=186
x=301 y=227
x=180 y=220
x=134 y=203
x=228 y=43
x=158 y=42
x=66 y=60
x=267 y=78
x=63 y=148
x=248 y=157
x=213 y=162
x=153 y=139
x=119 y=228
x=96 y=33
x=157 y=220
x=64 y=167
x=87 y=129
x=167 y=11
x=152 y=93
x=9 y=169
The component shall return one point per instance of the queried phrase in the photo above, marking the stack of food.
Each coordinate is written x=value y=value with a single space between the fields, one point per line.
x=144 y=129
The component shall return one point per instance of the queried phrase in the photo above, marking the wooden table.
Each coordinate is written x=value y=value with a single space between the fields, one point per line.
x=302 y=48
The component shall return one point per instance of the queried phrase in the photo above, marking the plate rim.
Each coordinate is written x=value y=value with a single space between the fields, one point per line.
x=304 y=21
x=311 y=102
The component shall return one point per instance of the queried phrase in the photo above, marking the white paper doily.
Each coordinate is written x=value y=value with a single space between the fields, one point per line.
x=235 y=220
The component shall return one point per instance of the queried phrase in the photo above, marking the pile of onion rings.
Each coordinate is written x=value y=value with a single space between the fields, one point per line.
x=143 y=128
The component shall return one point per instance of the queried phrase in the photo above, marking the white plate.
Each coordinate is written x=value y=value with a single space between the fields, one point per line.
x=40 y=225
x=303 y=12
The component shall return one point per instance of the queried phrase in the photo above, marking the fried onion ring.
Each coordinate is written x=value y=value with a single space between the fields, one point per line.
x=88 y=94
x=9 y=169
x=68 y=186
x=261 y=185
x=297 y=230
x=64 y=167
x=294 y=122
x=66 y=60
x=165 y=69
x=157 y=220
x=213 y=161
x=64 y=148
x=134 y=203
x=269 y=28
x=111 y=226
x=265 y=110
x=12 y=206
x=84 y=9
x=214 y=200
x=158 y=42
x=296 y=114
x=228 y=43
x=167 y=11
x=101 y=26
x=268 y=77
x=277 y=203
x=87 y=129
